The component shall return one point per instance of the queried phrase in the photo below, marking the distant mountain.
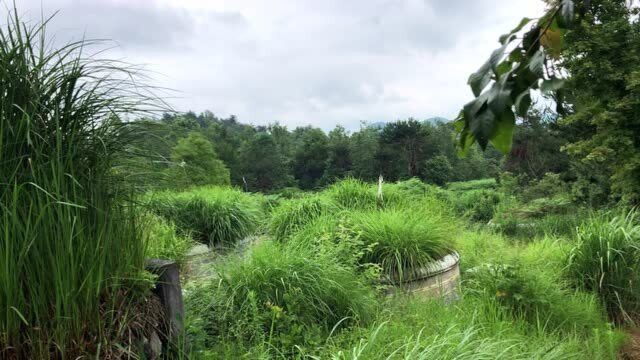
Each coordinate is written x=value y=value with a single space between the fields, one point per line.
x=435 y=119
x=432 y=120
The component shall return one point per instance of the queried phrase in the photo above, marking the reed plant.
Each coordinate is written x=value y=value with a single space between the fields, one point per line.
x=70 y=245
x=606 y=261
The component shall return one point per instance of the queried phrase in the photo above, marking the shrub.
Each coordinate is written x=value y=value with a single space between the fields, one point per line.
x=438 y=170
x=214 y=216
x=163 y=240
x=402 y=241
x=283 y=296
x=352 y=194
x=293 y=214
x=536 y=298
x=477 y=205
x=606 y=261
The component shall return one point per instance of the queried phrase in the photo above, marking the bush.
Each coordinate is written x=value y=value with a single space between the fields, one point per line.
x=477 y=205
x=293 y=214
x=535 y=298
x=214 y=216
x=281 y=296
x=163 y=240
x=606 y=261
x=401 y=241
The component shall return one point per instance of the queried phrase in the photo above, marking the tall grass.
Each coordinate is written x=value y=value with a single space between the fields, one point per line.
x=215 y=216
x=292 y=215
x=606 y=261
x=415 y=328
x=352 y=194
x=402 y=241
x=281 y=296
x=68 y=243
x=163 y=240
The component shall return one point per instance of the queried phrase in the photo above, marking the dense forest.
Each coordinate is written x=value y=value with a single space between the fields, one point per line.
x=203 y=149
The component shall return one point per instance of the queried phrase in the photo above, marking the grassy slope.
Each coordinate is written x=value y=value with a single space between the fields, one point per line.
x=525 y=310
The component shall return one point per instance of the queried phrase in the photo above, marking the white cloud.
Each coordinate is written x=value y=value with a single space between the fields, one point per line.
x=301 y=62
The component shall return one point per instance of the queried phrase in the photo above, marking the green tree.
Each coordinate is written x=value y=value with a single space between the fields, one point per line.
x=310 y=157
x=196 y=163
x=438 y=170
x=602 y=56
x=408 y=137
x=364 y=146
x=339 y=156
x=262 y=165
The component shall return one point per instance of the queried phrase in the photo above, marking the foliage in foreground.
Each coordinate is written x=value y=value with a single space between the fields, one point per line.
x=215 y=216
x=71 y=248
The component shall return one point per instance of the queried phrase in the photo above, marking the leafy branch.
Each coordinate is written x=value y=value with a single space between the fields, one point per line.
x=503 y=84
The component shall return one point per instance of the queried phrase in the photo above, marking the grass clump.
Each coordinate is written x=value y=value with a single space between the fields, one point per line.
x=606 y=261
x=480 y=184
x=213 y=215
x=70 y=245
x=402 y=240
x=292 y=215
x=279 y=297
x=352 y=194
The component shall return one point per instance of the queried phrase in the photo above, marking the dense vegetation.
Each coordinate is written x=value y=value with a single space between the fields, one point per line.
x=310 y=238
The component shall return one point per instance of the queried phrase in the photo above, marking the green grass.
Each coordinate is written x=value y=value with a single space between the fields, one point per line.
x=292 y=215
x=71 y=249
x=415 y=328
x=606 y=261
x=215 y=216
x=472 y=185
x=163 y=240
x=277 y=297
x=352 y=194
x=402 y=241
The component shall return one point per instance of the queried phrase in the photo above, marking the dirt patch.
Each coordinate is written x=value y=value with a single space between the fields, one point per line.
x=631 y=350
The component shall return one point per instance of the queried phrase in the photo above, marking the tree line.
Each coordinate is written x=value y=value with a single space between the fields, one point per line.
x=197 y=149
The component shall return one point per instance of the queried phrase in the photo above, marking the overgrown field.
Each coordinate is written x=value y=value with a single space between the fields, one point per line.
x=536 y=282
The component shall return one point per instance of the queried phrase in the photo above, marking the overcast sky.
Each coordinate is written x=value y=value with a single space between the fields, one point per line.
x=320 y=62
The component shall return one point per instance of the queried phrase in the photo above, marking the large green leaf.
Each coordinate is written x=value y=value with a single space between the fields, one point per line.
x=503 y=131
x=523 y=23
x=482 y=126
x=479 y=79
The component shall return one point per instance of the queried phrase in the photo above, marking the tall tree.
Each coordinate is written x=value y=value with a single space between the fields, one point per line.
x=196 y=163
x=364 y=146
x=602 y=56
x=310 y=158
x=409 y=137
x=339 y=155
x=262 y=165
